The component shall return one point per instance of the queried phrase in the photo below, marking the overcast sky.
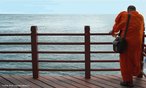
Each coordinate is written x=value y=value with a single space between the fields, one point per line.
x=69 y=6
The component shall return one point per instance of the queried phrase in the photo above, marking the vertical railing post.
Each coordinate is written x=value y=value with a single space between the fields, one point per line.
x=142 y=57
x=34 y=49
x=87 y=52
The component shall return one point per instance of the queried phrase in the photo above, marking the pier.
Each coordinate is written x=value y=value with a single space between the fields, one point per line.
x=37 y=80
x=98 y=81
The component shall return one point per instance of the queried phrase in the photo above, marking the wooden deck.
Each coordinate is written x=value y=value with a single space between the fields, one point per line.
x=99 y=81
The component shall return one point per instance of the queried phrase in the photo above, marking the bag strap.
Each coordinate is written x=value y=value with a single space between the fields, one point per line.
x=127 y=25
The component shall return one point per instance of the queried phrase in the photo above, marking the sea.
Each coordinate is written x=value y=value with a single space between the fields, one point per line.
x=61 y=23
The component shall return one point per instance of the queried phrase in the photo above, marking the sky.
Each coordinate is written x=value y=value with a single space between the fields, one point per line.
x=69 y=6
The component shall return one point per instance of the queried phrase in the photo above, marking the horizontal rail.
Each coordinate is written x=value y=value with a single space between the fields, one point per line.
x=61 y=43
x=56 y=43
x=75 y=43
x=14 y=69
x=69 y=34
x=95 y=52
x=16 y=34
x=57 y=52
x=101 y=43
x=99 y=34
x=104 y=60
x=79 y=69
x=112 y=69
x=60 y=52
x=61 y=69
x=13 y=52
x=15 y=60
x=60 y=61
x=15 y=43
x=76 y=61
x=52 y=34
x=63 y=61
x=60 y=34
x=8 y=69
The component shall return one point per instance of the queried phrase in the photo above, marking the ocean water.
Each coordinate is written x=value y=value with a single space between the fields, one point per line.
x=19 y=23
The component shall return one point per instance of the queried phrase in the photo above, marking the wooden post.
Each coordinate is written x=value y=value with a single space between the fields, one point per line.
x=34 y=49
x=142 y=57
x=87 y=52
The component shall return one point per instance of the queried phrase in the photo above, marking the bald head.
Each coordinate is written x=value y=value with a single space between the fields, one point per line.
x=131 y=8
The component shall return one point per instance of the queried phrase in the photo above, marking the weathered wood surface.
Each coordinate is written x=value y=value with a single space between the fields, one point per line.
x=98 y=81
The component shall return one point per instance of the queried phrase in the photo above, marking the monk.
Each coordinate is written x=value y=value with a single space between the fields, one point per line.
x=130 y=59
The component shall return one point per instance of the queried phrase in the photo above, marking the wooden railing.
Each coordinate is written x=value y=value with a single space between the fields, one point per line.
x=34 y=51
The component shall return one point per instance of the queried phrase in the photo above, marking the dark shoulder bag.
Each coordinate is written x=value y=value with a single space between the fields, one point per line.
x=120 y=44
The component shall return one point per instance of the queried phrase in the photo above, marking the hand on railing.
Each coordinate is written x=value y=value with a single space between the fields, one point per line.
x=113 y=34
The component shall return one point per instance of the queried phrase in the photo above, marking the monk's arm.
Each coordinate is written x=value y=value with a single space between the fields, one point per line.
x=119 y=27
x=118 y=23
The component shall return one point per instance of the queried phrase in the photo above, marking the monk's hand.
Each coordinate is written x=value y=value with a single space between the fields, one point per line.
x=115 y=35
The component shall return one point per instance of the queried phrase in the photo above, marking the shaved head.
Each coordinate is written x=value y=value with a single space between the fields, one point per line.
x=131 y=8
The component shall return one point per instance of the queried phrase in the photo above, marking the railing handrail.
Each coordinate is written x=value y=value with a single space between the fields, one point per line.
x=60 y=61
x=52 y=34
x=15 y=34
x=34 y=51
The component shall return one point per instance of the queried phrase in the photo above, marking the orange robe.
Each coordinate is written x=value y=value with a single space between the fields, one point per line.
x=130 y=60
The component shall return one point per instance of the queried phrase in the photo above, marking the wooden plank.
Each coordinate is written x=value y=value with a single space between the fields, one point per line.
x=134 y=78
x=66 y=85
x=98 y=81
x=54 y=81
x=81 y=82
x=71 y=82
x=37 y=82
x=140 y=83
x=118 y=80
x=5 y=81
x=107 y=80
x=142 y=79
x=1 y=85
x=49 y=82
x=12 y=80
x=136 y=84
x=115 y=80
x=91 y=81
x=30 y=84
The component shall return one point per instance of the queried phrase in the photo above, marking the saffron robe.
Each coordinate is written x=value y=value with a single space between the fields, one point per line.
x=130 y=60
